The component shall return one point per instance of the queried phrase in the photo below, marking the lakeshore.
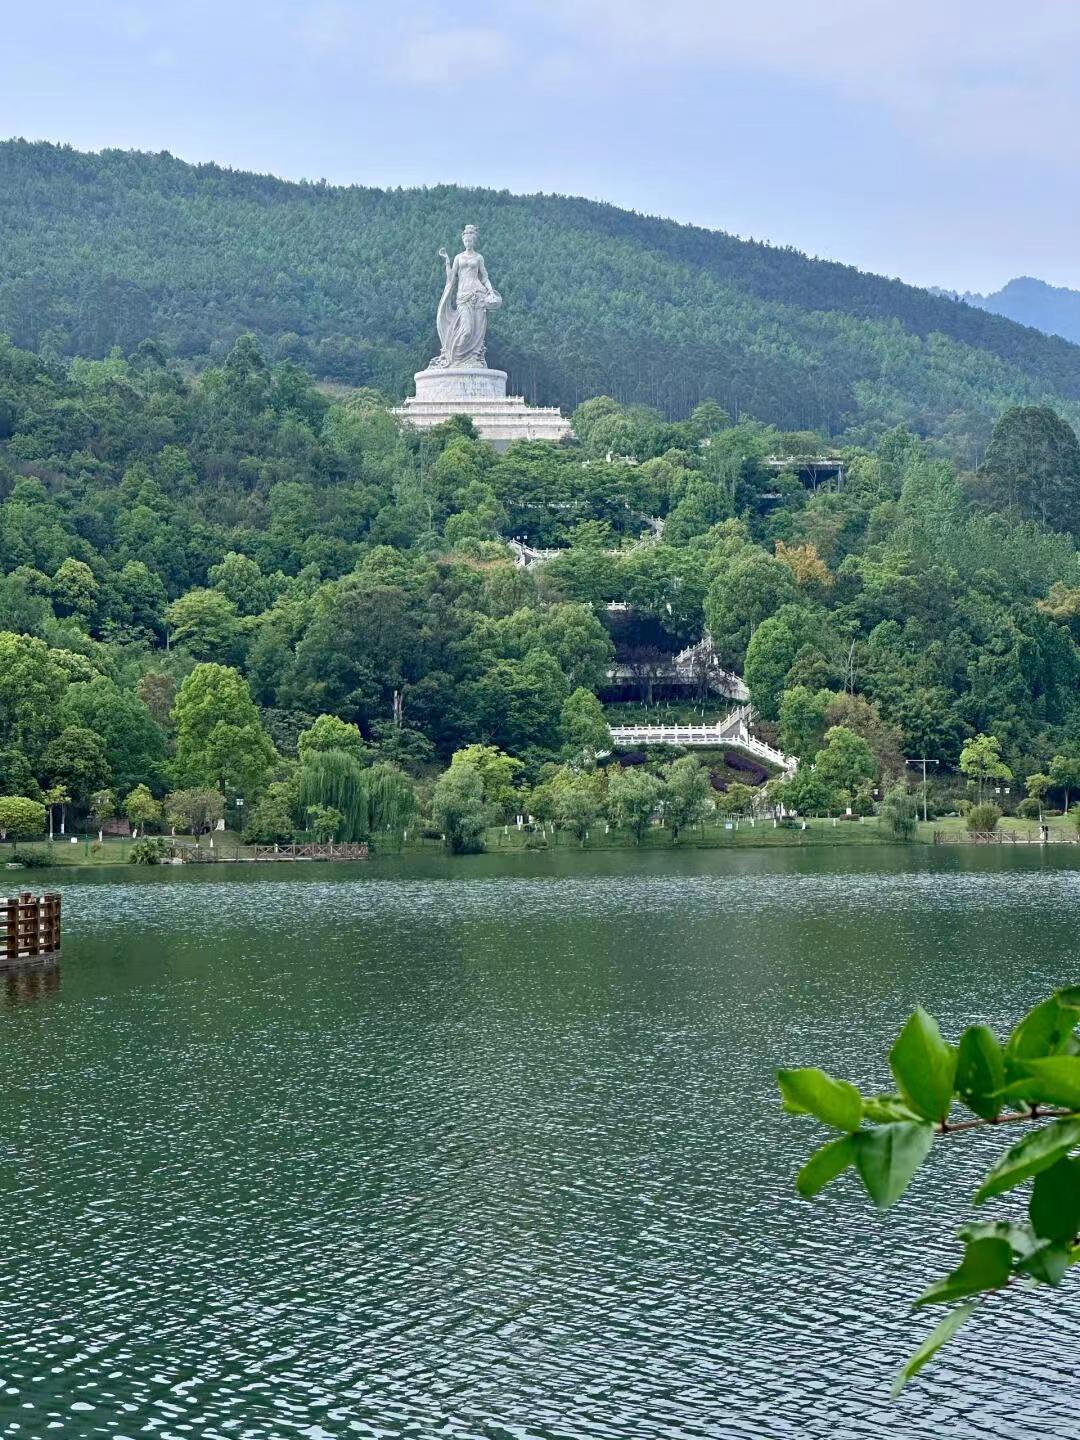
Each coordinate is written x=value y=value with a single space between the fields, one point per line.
x=229 y=848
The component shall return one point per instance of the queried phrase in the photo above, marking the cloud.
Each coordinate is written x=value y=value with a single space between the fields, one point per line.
x=973 y=73
x=424 y=49
x=452 y=56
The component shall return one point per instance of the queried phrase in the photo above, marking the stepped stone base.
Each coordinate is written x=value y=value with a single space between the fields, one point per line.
x=480 y=394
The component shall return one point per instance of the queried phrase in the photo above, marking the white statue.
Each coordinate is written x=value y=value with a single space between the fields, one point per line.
x=463 y=309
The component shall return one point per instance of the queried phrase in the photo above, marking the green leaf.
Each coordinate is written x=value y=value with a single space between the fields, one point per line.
x=932 y=1344
x=1046 y=1030
x=1036 y=1152
x=825 y=1165
x=888 y=1156
x=986 y=1265
x=1055 y=1081
x=924 y=1066
x=1020 y=1238
x=1047 y=1263
x=980 y=1071
x=1054 y=1206
x=812 y=1092
x=883 y=1109
x=1069 y=995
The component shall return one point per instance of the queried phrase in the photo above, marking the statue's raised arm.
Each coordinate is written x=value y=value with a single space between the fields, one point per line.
x=462 y=315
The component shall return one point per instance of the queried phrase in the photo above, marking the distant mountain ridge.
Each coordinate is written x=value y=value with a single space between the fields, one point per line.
x=110 y=249
x=1053 y=309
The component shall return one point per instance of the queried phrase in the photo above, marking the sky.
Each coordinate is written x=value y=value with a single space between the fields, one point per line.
x=935 y=140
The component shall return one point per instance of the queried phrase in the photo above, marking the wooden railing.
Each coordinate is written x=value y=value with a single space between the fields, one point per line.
x=999 y=837
x=29 y=927
x=332 y=851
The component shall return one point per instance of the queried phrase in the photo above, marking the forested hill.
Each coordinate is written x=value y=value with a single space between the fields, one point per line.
x=98 y=251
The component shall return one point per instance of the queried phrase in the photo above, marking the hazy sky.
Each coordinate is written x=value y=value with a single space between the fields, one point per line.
x=937 y=140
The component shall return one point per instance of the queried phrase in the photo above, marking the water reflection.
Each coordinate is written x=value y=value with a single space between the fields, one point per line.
x=25 y=984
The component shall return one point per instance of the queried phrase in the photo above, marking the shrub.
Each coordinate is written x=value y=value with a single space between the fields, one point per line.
x=148 y=852
x=982 y=817
x=898 y=813
x=32 y=859
x=1029 y=809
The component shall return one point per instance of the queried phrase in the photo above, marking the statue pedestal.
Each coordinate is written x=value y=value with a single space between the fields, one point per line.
x=447 y=384
x=481 y=395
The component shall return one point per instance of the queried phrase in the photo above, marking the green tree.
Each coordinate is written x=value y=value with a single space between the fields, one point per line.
x=20 y=817
x=271 y=820
x=802 y=720
x=736 y=799
x=807 y=792
x=747 y=590
x=32 y=685
x=898 y=813
x=330 y=733
x=76 y=760
x=577 y=806
x=633 y=797
x=239 y=578
x=498 y=773
x=980 y=760
x=204 y=622
x=195 y=810
x=324 y=822
x=336 y=780
x=1032 y=466
x=771 y=654
x=585 y=730
x=845 y=760
x=134 y=745
x=75 y=590
x=460 y=810
x=1037 y=785
x=1064 y=775
x=220 y=741
x=686 y=794
x=102 y=806
x=141 y=808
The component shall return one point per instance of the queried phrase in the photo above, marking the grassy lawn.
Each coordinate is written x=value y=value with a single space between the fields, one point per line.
x=711 y=835
x=714 y=834
x=114 y=850
x=1060 y=827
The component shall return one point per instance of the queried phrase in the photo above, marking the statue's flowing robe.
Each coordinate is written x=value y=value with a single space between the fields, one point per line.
x=462 y=315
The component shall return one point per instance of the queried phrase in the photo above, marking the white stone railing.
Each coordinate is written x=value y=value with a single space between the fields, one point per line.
x=731 y=731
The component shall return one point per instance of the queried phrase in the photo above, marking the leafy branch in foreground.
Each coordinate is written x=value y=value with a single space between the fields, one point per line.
x=1034 y=1076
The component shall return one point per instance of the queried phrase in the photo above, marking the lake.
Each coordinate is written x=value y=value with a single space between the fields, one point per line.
x=492 y=1148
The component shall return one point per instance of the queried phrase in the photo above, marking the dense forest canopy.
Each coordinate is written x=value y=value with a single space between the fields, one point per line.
x=232 y=587
x=107 y=250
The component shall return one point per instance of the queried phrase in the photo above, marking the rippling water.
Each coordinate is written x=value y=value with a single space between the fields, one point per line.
x=491 y=1149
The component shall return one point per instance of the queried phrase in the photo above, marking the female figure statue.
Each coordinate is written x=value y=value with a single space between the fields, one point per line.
x=463 y=309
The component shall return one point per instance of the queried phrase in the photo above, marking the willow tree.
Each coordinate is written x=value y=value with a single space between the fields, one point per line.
x=334 y=780
x=391 y=798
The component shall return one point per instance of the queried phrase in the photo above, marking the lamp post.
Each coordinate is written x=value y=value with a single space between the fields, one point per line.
x=922 y=760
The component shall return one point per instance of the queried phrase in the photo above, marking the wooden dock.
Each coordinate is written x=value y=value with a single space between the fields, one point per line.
x=29 y=929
